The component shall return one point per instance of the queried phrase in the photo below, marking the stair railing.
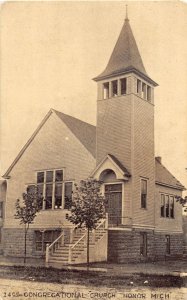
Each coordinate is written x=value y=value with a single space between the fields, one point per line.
x=53 y=246
x=103 y=224
x=71 y=247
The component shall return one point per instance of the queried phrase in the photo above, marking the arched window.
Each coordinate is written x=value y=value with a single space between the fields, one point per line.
x=107 y=175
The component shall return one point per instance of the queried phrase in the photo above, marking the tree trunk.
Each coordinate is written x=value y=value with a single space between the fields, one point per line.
x=88 y=243
x=25 y=251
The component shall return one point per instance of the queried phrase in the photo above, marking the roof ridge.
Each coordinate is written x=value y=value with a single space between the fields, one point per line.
x=60 y=112
x=177 y=181
x=82 y=130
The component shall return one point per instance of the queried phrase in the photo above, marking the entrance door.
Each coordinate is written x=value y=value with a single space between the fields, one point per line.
x=113 y=194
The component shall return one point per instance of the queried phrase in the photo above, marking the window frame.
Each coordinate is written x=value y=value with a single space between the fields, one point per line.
x=169 y=213
x=106 y=88
x=54 y=184
x=43 y=241
x=143 y=205
x=144 y=90
x=123 y=80
x=114 y=88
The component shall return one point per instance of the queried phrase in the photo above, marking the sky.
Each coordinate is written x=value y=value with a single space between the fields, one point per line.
x=50 y=51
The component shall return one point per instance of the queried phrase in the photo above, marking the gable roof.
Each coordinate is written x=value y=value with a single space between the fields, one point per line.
x=164 y=177
x=125 y=56
x=86 y=134
x=120 y=165
x=120 y=171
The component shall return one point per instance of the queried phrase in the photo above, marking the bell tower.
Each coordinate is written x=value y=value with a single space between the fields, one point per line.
x=125 y=122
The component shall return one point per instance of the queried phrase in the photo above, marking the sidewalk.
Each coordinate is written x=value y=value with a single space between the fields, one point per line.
x=173 y=268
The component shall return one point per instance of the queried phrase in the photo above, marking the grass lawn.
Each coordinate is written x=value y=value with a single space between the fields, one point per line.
x=93 y=278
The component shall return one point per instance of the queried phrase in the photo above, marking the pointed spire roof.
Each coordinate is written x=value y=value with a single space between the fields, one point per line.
x=125 y=57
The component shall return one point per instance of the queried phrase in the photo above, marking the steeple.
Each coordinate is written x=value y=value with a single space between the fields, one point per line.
x=125 y=57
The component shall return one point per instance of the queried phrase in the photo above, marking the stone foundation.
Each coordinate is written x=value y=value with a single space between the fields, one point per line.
x=13 y=240
x=176 y=246
x=124 y=246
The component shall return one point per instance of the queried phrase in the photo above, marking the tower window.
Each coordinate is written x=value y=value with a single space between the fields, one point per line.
x=148 y=93
x=143 y=193
x=139 y=87
x=144 y=90
x=123 y=86
x=106 y=90
x=114 y=88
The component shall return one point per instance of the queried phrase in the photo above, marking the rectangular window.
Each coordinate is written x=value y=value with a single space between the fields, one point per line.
x=143 y=193
x=58 y=195
x=49 y=176
x=40 y=177
x=167 y=206
x=144 y=90
x=114 y=88
x=162 y=207
x=58 y=175
x=68 y=195
x=1 y=209
x=167 y=244
x=106 y=90
x=171 y=207
x=148 y=93
x=143 y=244
x=123 y=82
x=42 y=238
x=48 y=196
x=51 y=186
x=112 y=188
x=38 y=241
x=139 y=87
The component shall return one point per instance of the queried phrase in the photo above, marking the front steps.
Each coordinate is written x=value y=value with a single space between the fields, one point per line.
x=74 y=250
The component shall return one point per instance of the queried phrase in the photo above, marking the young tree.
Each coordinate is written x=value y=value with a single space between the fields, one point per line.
x=182 y=201
x=87 y=207
x=27 y=210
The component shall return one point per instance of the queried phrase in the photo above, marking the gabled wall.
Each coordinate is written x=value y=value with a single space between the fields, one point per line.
x=54 y=146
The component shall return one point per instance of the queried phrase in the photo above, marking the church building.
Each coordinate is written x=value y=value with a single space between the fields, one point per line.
x=144 y=222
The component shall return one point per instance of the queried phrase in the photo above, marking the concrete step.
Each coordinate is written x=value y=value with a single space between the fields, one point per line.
x=59 y=255
x=58 y=262
x=58 y=259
